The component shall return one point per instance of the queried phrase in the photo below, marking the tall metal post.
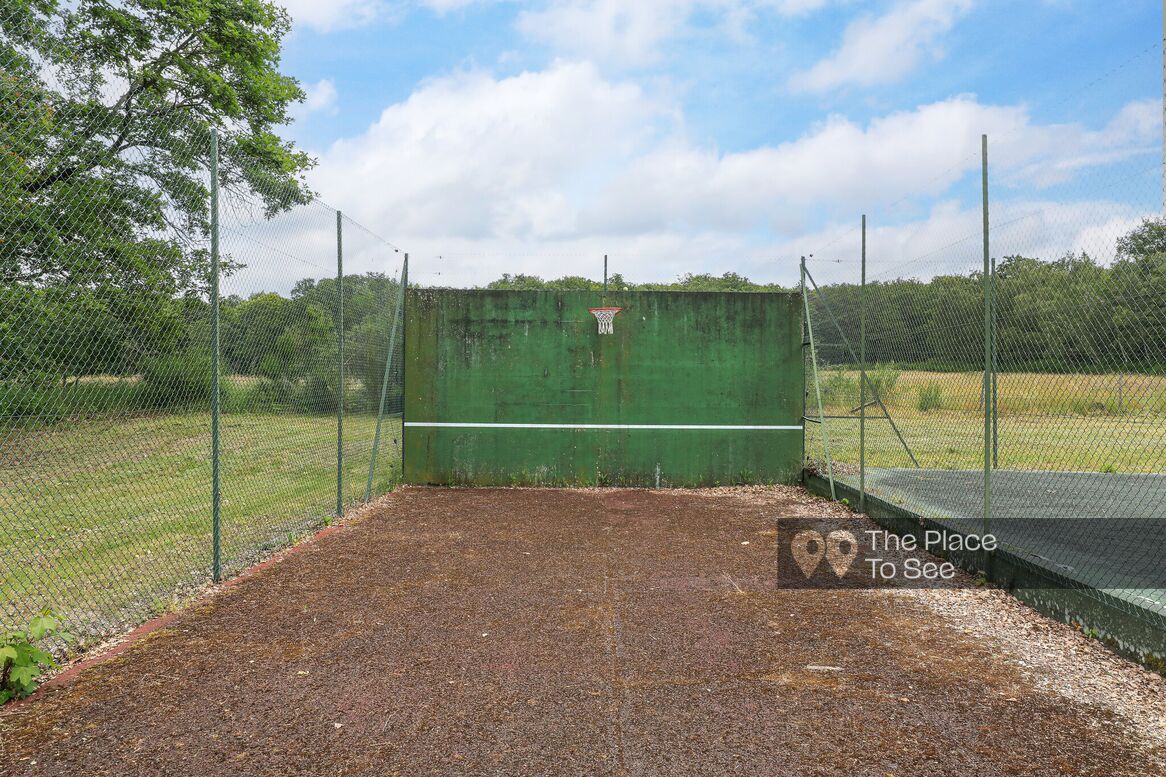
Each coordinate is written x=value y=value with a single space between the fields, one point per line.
x=995 y=370
x=817 y=385
x=376 y=440
x=987 y=342
x=340 y=364
x=862 y=378
x=216 y=484
x=404 y=357
x=605 y=277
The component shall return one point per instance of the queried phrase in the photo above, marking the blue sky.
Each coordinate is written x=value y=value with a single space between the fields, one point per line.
x=712 y=135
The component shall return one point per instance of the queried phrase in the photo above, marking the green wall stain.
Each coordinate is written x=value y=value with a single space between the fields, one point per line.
x=475 y=356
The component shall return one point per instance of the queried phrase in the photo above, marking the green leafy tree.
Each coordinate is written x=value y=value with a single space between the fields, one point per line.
x=108 y=133
x=730 y=281
x=107 y=112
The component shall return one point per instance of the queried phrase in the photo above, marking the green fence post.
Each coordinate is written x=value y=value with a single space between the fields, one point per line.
x=862 y=379
x=404 y=359
x=995 y=371
x=376 y=439
x=216 y=486
x=340 y=364
x=817 y=385
x=988 y=355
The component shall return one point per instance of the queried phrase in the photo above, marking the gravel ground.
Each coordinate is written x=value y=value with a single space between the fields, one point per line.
x=1055 y=657
x=591 y=632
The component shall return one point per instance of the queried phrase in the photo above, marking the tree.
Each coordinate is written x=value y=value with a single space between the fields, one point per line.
x=730 y=281
x=519 y=282
x=108 y=109
x=1147 y=240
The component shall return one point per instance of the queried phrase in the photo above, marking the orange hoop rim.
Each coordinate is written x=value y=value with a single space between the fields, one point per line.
x=605 y=310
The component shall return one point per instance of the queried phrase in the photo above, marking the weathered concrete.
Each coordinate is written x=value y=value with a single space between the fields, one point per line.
x=676 y=358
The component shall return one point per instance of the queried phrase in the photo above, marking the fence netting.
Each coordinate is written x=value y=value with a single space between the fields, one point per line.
x=1051 y=367
x=107 y=350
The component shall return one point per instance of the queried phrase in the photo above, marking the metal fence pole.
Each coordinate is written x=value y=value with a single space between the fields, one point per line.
x=340 y=364
x=988 y=356
x=404 y=358
x=216 y=486
x=376 y=440
x=995 y=370
x=862 y=379
x=817 y=385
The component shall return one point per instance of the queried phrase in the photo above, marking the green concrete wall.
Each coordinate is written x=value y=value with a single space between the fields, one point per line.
x=535 y=357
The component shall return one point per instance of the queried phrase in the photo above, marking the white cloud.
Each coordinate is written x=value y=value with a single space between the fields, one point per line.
x=547 y=171
x=881 y=50
x=837 y=165
x=613 y=31
x=633 y=33
x=1069 y=149
x=947 y=239
x=801 y=7
x=321 y=98
x=445 y=6
x=328 y=15
x=608 y=29
x=469 y=155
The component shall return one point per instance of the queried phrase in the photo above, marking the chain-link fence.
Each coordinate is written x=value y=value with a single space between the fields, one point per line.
x=1015 y=369
x=188 y=377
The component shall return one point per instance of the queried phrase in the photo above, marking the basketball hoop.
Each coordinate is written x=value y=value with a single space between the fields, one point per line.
x=606 y=319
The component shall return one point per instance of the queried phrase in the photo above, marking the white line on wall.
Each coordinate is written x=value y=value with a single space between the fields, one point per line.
x=711 y=427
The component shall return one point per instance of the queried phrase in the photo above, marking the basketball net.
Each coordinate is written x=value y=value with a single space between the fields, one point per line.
x=606 y=319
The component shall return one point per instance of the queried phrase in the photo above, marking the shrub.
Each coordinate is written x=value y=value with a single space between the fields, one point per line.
x=30 y=403
x=930 y=397
x=315 y=394
x=839 y=388
x=21 y=661
x=268 y=395
x=884 y=377
x=178 y=379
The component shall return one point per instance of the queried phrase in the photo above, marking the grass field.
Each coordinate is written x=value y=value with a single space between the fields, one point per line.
x=1088 y=423
x=106 y=519
x=1024 y=393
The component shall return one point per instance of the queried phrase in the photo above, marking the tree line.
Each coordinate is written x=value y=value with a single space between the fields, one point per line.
x=155 y=350
x=107 y=115
x=729 y=281
x=1072 y=314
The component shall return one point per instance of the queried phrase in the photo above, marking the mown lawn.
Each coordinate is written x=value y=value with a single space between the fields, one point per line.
x=104 y=520
x=1088 y=423
x=956 y=441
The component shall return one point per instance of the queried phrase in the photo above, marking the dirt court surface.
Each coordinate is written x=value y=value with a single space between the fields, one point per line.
x=574 y=632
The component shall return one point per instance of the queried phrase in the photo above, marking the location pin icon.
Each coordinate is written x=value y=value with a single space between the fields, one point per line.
x=807 y=559
x=841 y=550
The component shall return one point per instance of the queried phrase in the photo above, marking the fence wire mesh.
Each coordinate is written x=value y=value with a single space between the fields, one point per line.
x=1051 y=367
x=106 y=347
